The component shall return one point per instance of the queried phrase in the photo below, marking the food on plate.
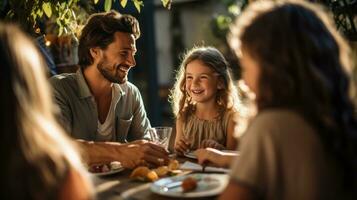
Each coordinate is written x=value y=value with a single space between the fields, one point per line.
x=173 y=165
x=174 y=172
x=140 y=172
x=144 y=174
x=189 y=184
x=161 y=171
x=115 y=165
x=152 y=176
x=104 y=167
x=99 y=168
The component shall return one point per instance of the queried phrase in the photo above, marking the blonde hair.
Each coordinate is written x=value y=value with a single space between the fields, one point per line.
x=227 y=98
x=39 y=153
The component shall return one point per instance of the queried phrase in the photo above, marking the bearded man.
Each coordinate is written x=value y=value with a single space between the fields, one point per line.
x=98 y=105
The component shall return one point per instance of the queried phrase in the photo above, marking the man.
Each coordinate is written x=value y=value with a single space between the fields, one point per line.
x=98 y=103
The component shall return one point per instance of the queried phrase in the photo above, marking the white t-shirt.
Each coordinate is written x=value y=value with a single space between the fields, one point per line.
x=106 y=130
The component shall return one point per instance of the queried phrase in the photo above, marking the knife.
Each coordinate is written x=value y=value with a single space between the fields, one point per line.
x=203 y=168
x=169 y=186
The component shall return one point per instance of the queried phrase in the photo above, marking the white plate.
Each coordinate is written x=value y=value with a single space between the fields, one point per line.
x=191 y=154
x=207 y=185
x=118 y=168
x=114 y=171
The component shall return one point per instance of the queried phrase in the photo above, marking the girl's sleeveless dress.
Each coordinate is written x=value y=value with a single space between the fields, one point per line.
x=196 y=130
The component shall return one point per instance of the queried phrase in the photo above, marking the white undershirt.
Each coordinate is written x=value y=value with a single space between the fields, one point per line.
x=106 y=130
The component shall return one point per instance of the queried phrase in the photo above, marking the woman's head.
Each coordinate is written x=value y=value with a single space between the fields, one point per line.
x=204 y=70
x=299 y=61
x=292 y=50
x=33 y=146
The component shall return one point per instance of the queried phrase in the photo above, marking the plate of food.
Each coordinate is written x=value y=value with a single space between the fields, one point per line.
x=191 y=185
x=103 y=169
x=144 y=173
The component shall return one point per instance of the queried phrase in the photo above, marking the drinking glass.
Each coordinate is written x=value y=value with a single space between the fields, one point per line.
x=161 y=135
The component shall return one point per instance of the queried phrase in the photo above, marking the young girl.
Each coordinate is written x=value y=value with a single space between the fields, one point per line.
x=204 y=101
x=303 y=142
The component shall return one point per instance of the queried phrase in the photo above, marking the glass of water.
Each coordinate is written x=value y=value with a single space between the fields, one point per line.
x=161 y=135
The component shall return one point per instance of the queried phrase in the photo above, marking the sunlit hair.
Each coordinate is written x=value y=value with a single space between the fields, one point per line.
x=99 y=32
x=226 y=98
x=35 y=152
x=303 y=63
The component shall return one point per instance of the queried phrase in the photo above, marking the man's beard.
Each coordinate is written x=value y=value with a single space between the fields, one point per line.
x=108 y=75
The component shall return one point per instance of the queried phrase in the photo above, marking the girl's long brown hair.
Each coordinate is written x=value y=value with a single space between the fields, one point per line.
x=303 y=63
x=227 y=98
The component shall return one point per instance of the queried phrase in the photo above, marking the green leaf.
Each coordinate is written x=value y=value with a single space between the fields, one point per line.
x=138 y=4
x=96 y=1
x=60 y=30
x=123 y=3
x=47 y=9
x=234 y=9
x=107 y=5
x=39 y=12
x=166 y=3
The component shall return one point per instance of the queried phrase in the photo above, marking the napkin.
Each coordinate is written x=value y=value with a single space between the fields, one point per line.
x=196 y=167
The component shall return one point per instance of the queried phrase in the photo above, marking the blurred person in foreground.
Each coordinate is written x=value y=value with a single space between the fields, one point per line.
x=99 y=106
x=38 y=160
x=302 y=143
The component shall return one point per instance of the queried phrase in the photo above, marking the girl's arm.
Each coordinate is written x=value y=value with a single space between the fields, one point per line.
x=181 y=144
x=231 y=140
x=214 y=157
x=178 y=131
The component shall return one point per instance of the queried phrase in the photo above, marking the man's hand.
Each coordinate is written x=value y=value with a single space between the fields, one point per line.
x=137 y=153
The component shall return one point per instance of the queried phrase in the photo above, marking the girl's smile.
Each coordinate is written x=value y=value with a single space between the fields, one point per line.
x=201 y=82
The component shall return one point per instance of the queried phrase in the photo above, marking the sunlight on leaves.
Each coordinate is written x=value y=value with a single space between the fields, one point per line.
x=166 y=3
x=123 y=3
x=138 y=4
x=96 y=1
x=47 y=9
x=234 y=9
x=107 y=5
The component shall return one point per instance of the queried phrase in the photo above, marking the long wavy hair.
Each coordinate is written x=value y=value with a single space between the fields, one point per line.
x=226 y=98
x=36 y=155
x=304 y=65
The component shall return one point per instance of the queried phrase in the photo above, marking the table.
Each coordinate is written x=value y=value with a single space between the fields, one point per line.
x=113 y=186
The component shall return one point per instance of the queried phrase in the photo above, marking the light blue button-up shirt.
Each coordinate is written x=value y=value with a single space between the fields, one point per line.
x=78 y=112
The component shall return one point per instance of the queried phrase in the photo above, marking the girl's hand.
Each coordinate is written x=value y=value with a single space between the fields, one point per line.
x=212 y=144
x=208 y=155
x=182 y=146
x=215 y=157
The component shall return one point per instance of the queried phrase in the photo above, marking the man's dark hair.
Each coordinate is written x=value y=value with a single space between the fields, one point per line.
x=99 y=32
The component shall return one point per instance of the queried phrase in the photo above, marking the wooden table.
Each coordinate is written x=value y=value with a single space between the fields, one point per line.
x=111 y=187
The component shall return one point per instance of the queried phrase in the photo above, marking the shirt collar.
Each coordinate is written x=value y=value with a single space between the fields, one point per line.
x=84 y=90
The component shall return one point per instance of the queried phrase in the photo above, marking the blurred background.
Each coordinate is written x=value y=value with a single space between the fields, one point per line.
x=169 y=28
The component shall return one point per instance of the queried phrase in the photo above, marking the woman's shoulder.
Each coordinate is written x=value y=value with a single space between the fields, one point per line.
x=277 y=121
x=76 y=186
x=272 y=116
